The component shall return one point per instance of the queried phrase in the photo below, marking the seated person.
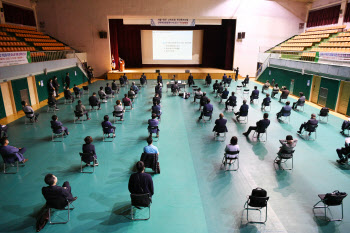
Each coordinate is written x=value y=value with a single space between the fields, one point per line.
x=56 y=196
x=224 y=79
x=260 y=127
x=311 y=122
x=285 y=110
x=224 y=94
x=345 y=126
x=208 y=80
x=229 y=80
x=220 y=125
x=81 y=108
x=6 y=151
x=275 y=91
x=324 y=112
x=190 y=80
x=77 y=91
x=28 y=110
x=203 y=101
x=231 y=101
x=156 y=99
x=266 y=101
x=134 y=88
x=300 y=102
x=207 y=110
x=3 y=130
x=254 y=95
x=126 y=101
x=284 y=94
x=119 y=108
x=102 y=94
x=107 y=126
x=52 y=101
x=156 y=110
x=265 y=86
x=232 y=147
x=243 y=110
x=158 y=90
x=115 y=87
x=108 y=90
x=93 y=101
x=57 y=126
x=131 y=94
x=68 y=95
x=141 y=182
x=220 y=89
x=215 y=86
x=153 y=123
x=287 y=147
x=150 y=149
x=344 y=152
x=159 y=79
x=245 y=81
x=126 y=81
x=142 y=80
x=197 y=94
x=88 y=147
x=121 y=81
x=175 y=87
x=143 y=76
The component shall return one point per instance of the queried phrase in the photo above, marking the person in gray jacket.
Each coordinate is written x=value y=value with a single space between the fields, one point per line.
x=29 y=111
x=287 y=147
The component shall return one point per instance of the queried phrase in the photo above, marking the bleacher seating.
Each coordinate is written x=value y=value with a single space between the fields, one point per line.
x=326 y=28
x=335 y=44
x=287 y=49
x=17 y=27
x=48 y=44
x=8 y=38
x=15 y=49
x=32 y=35
x=344 y=34
x=40 y=40
x=23 y=31
x=331 y=50
x=296 y=44
x=317 y=40
x=13 y=43
x=3 y=34
x=319 y=32
x=339 y=39
x=312 y=36
x=55 y=48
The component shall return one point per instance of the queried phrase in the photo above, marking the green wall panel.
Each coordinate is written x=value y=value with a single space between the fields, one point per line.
x=302 y=83
x=2 y=106
x=333 y=89
x=75 y=74
x=348 y=112
x=17 y=86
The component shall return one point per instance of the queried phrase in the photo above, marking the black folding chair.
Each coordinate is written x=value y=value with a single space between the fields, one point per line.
x=331 y=199
x=140 y=201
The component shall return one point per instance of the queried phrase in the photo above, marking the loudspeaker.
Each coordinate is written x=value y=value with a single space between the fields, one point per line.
x=103 y=34
x=239 y=35
x=243 y=35
x=157 y=71
x=187 y=71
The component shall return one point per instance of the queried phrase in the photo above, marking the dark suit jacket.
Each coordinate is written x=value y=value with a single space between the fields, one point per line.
x=52 y=100
x=262 y=125
x=208 y=110
x=286 y=110
x=67 y=94
x=7 y=151
x=67 y=80
x=140 y=183
x=190 y=79
x=156 y=100
x=108 y=90
x=159 y=79
x=203 y=101
x=232 y=100
x=89 y=148
x=284 y=93
x=225 y=94
x=56 y=196
x=220 y=126
x=76 y=89
x=208 y=79
x=255 y=93
x=108 y=127
x=266 y=101
x=246 y=80
x=56 y=126
x=93 y=101
x=243 y=110
x=114 y=86
x=155 y=109
x=121 y=80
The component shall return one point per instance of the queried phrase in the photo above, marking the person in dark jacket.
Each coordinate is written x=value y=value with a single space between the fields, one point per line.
x=231 y=101
x=224 y=95
x=3 y=130
x=68 y=95
x=141 y=182
x=88 y=147
x=51 y=87
x=345 y=125
x=153 y=123
x=107 y=126
x=159 y=79
x=220 y=125
x=284 y=94
x=143 y=76
x=81 y=108
x=77 y=91
x=57 y=126
x=56 y=196
x=215 y=85
x=243 y=110
x=245 y=81
x=126 y=81
x=158 y=89
x=254 y=95
x=312 y=122
x=236 y=75
x=266 y=101
x=344 y=152
x=156 y=110
x=190 y=80
x=93 y=101
x=67 y=80
x=207 y=110
x=208 y=80
x=156 y=99
x=121 y=80
x=56 y=85
x=260 y=127
x=285 y=110
x=7 y=151
x=115 y=88
x=224 y=79
x=126 y=101
x=203 y=100
x=109 y=90
x=52 y=101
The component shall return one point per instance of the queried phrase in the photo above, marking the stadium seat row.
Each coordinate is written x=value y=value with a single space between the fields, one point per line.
x=15 y=49
x=40 y=40
x=13 y=44
x=335 y=44
x=48 y=44
x=326 y=28
x=24 y=31
x=319 y=32
x=8 y=38
x=32 y=36
x=17 y=27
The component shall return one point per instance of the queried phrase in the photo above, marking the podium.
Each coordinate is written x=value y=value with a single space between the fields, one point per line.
x=121 y=65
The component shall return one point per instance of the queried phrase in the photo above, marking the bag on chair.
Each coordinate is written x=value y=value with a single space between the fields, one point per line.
x=259 y=192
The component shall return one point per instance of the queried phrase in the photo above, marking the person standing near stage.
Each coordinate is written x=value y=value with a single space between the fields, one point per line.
x=67 y=80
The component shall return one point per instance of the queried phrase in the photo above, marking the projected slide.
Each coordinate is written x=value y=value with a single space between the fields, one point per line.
x=172 y=45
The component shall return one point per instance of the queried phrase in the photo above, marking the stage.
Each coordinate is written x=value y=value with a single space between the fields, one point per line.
x=168 y=72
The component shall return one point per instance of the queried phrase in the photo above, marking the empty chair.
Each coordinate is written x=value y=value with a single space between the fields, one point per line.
x=238 y=88
x=257 y=201
x=331 y=199
x=324 y=112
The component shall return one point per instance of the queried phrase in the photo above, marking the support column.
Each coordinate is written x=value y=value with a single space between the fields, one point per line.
x=2 y=14
x=343 y=10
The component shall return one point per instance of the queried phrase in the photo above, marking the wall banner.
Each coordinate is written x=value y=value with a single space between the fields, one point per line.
x=14 y=58
x=173 y=22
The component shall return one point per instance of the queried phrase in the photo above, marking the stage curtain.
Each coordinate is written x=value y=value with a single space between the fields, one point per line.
x=113 y=36
x=347 y=13
x=324 y=16
x=18 y=15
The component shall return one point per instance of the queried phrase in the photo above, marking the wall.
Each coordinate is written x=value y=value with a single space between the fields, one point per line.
x=17 y=86
x=2 y=107
x=284 y=77
x=333 y=88
x=77 y=23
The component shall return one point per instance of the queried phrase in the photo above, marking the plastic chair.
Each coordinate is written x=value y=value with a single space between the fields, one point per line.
x=117 y=114
x=29 y=117
x=330 y=199
x=301 y=105
x=284 y=157
x=220 y=137
x=256 y=203
x=231 y=161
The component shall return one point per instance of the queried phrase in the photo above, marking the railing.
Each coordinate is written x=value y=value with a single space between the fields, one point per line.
x=51 y=55
x=262 y=67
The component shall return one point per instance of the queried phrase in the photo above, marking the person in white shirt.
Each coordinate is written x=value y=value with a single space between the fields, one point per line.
x=119 y=108
x=232 y=147
x=197 y=94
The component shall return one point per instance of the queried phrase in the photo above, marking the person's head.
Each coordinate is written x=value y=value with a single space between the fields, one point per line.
x=216 y=81
x=131 y=89
x=124 y=74
x=225 y=88
x=50 y=80
x=313 y=115
x=125 y=95
x=267 y=81
x=285 y=88
x=94 y=93
x=101 y=88
x=199 y=89
x=4 y=141
x=208 y=101
x=229 y=76
x=220 y=83
x=208 y=74
x=287 y=103
x=75 y=85
x=107 y=84
x=233 y=93
x=113 y=81
x=67 y=88
x=143 y=73
x=247 y=76
x=67 y=74
x=149 y=140
x=221 y=115
x=224 y=74
x=50 y=179
x=54 y=77
x=301 y=93
x=255 y=87
x=88 y=140
x=175 y=82
x=133 y=83
x=118 y=102
x=289 y=138
x=106 y=118
x=157 y=95
x=204 y=93
x=54 y=117
x=266 y=115
x=140 y=166
x=234 y=140
x=190 y=73
x=23 y=103
x=244 y=101
x=154 y=116
x=79 y=101
x=267 y=95
x=276 y=85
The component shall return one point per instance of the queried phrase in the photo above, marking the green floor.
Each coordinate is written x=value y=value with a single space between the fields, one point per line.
x=192 y=193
